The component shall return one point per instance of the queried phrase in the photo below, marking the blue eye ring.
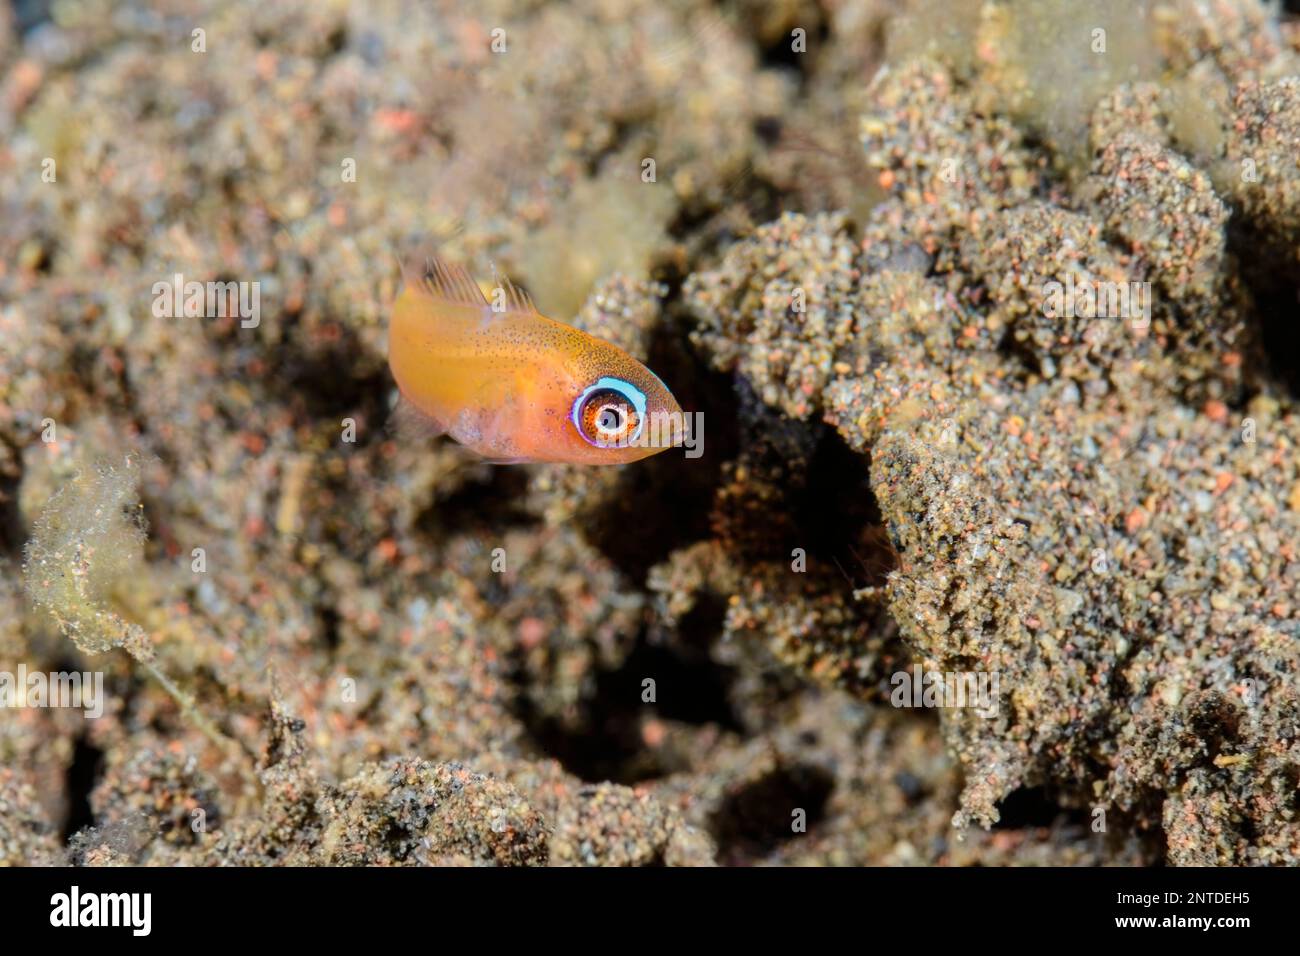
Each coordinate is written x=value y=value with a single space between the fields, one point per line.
x=624 y=389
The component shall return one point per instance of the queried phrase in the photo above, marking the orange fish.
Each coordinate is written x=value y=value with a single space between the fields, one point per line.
x=514 y=386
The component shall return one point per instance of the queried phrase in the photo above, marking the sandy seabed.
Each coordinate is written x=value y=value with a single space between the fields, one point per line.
x=989 y=310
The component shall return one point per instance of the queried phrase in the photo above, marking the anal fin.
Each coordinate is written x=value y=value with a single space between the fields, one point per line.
x=408 y=423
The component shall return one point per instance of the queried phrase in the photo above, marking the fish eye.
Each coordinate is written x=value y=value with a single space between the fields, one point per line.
x=610 y=413
x=610 y=418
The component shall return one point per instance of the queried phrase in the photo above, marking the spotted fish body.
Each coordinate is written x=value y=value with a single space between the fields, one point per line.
x=515 y=386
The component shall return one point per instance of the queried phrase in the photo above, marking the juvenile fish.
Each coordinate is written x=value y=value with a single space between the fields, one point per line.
x=514 y=386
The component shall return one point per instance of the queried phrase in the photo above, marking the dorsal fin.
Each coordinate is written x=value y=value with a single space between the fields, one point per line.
x=435 y=276
x=441 y=279
x=516 y=299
